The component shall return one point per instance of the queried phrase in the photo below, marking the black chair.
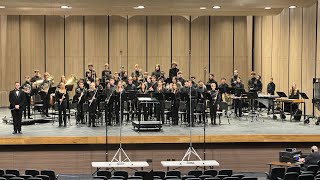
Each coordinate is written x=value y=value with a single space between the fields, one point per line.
x=50 y=173
x=117 y=177
x=13 y=171
x=121 y=173
x=221 y=176
x=195 y=173
x=2 y=178
x=34 y=178
x=171 y=177
x=277 y=172
x=317 y=176
x=143 y=174
x=135 y=178
x=25 y=177
x=290 y=176
x=100 y=177
x=187 y=177
x=104 y=173
x=16 y=178
x=313 y=168
x=43 y=177
x=227 y=172
x=211 y=172
x=1 y=172
x=8 y=176
x=203 y=177
x=32 y=172
x=239 y=176
x=212 y=178
x=306 y=177
x=160 y=174
x=193 y=179
x=296 y=169
x=249 y=178
x=231 y=178
x=307 y=172
x=174 y=173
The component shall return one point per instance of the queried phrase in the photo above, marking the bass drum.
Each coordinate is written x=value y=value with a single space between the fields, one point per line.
x=227 y=98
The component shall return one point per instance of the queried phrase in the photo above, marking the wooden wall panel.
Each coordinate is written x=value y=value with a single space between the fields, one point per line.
x=276 y=42
x=318 y=42
x=308 y=53
x=266 y=50
x=284 y=52
x=96 y=42
x=199 y=47
x=55 y=46
x=159 y=42
x=74 y=46
x=180 y=44
x=118 y=33
x=249 y=42
x=221 y=47
x=137 y=43
x=295 y=47
x=240 y=48
x=257 y=44
x=32 y=44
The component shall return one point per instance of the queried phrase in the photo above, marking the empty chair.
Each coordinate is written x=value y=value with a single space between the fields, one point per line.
x=211 y=172
x=318 y=176
x=291 y=176
x=296 y=169
x=221 y=176
x=231 y=178
x=171 y=177
x=276 y=173
x=1 y=172
x=195 y=173
x=193 y=178
x=212 y=178
x=249 y=178
x=32 y=172
x=174 y=173
x=239 y=176
x=313 y=168
x=8 y=176
x=187 y=177
x=227 y=172
x=307 y=172
x=34 y=178
x=100 y=177
x=25 y=177
x=2 y=178
x=117 y=177
x=50 y=173
x=16 y=178
x=159 y=174
x=13 y=171
x=143 y=174
x=135 y=177
x=104 y=173
x=43 y=177
x=306 y=177
x=203 y=177
x=121 y=173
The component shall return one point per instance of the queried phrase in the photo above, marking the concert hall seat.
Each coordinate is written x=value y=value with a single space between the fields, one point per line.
x=212 y=178
x=104 y=173
x=174 y=173
x=13 y=171
x=50 y=173
x=8 y=176
x=231 y=178
x=211 y=172
x=142 y=174
x=290 y=176
x=227 y=172
x=25 y=177
x=195 y=173
x=32 y=172
x=187 y=177
x=117 y=178
x=43 y=177
x=16 y=178
x=124 y=174
x=203 y=177
x=34 y=178
x=277 y=172
x=193 y=179
x=171 y=177
x=307 y=172
x=2 y=178
x=313 y=168
x=159 y=174
x=1 y=172
x=239 y=176
x=249 y=178
x=306 y=177
x=295 y=169
x=100 y=177
x=221 y=176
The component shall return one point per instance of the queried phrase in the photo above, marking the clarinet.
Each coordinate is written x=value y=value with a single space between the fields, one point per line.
x=93 y=97
x=63 y=97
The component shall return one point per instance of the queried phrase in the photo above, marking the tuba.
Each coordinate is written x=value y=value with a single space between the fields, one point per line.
x=72 y=80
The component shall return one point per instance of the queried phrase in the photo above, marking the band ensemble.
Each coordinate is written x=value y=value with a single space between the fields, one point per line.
x=94 y=94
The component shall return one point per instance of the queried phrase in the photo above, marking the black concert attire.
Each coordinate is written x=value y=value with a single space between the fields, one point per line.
x=17 y=97
x=271 y=87
x=136 y=83
x=144 y=107
x=311 y=159
x=137 y=73
x=156 y=73
x=259 y=86
x=202 y=100
x=105 y=76
x=252 y=84
x=193 y=103
x=117 y=109
x=214 y=101
x=92 y=103
x=35 y=78
x=45 y=97
x=238 y=101
x=27 y=88
x=62 y=106
x=107 y=93
x=295 y=106
x=233 y=80
x=223 y=87
x=212 y=81
x=93 y=74
x=80 y=99
x=130 y=87
x=175 y=107
x=160 y=106
x=181 y=80
x=87 y=81
x=173 y=72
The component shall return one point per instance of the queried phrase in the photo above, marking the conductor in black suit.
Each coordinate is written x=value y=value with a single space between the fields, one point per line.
x=17 y=102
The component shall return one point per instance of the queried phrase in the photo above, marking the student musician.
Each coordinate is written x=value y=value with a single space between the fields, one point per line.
x=17 y=102
x=271 y=87
x=193 y=102
x=26 y=88
x=212 y=80
x=293 y=94
x=62 y=98
x=117 y=93
x=45 y=97
x=91 y=71
x=214 y=101
x=234 y=78
x=137 y=72
x=175 y=105
x=79 y=98
x=36 y=76
x=143 y=90
x=160 y=106
x=63 y=79
x=259 y=84
x=107 y=93
x=88 y=79
x=180 y=78
x=92 y=102
x=238 y=101
x=174 y=70
x=252 y=82
x=106 y=73
x=223 y=86
x=156 y=71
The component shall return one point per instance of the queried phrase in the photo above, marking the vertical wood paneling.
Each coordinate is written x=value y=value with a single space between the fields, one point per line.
x=137 y=43
x=221 y=40
x=308 y=53
x=240 y=48
x=159 y=42
x=257 y=44
x=266 y=49
x=96 y=42
x=118 y=42
x=74 y=46
x=249 y=42
x=295 y=47
x=32 y=44
x=199 y=47
x=318 y=43
x=180 y=44
x=276 y=42
x=284 y=52
x=55 y=46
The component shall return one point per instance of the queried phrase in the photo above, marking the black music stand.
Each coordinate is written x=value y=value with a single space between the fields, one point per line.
x=129 y=96
x=304 y=95
x=281 y=94
x=69 y=87
x=208 y=86
x=184 y=96
x=52 y=90
x=169 y=96
x=252 y=96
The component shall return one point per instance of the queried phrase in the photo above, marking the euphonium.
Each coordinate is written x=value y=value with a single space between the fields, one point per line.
x=71 y=80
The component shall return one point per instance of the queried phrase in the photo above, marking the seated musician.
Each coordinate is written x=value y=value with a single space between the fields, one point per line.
x=237 y=101
x=106 y=73
x=311 y=159
x=145 y=77
x=92 y=71
x=36 y=76
x=271 y=87
x=174 y=70
x=124 y=76
x=91 y=97
x=63 y=79
x=79 y=98
x=116 y=78
x=223 y=86
x=212 y=80
x=156 y=71
x=62 y=98
x=88 y=79
x=130 y=86
x=213 y=104
x=149 y=83
x=143 y=90
x=135 y=81
x=201 y=88
x=193 y=81
x=162 y=77
x=137 y=72
x=122 y=72
x=293 y=94
x=180 y=78
x=175 y=81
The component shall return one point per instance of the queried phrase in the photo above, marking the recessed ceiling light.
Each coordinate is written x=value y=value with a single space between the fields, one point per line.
x=292 y=6
x=267 y=8
x=139 y=7
x=216 y=7
x=202 y=8
x=65 y=7
x=2 y=7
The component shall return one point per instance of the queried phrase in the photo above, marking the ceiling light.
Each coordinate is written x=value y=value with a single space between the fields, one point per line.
x=267 y=8
x=65 y=7
x=292 y=6
x=139 y=7
x=216 y=7
x=202 y=8
x=2 y=7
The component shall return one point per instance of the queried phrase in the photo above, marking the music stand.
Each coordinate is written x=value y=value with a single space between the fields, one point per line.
x=304 y=95
x=69 y=87
x=52 y=90
x=253 y=95
x=184 y=96
x=158 y=96
x=281 y=94
x=208 y=86
x=169 y=96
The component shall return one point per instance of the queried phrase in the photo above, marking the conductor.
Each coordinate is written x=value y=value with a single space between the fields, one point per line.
x=17 y=103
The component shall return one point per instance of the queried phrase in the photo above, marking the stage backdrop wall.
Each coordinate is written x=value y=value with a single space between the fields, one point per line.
x=286 y=48
x=65 y=45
